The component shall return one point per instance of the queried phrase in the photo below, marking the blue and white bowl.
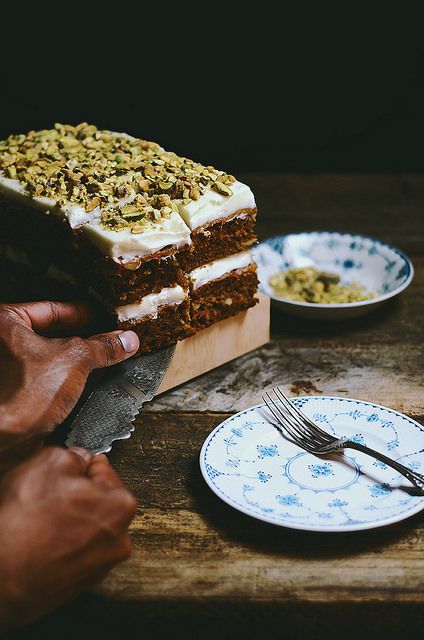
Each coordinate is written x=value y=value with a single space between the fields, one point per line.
x=379 y=267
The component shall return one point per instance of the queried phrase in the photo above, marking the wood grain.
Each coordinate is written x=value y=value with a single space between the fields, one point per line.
x=235 y=556
x=202 y=569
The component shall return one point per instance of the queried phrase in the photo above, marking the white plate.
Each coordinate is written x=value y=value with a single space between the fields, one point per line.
x=251 y=466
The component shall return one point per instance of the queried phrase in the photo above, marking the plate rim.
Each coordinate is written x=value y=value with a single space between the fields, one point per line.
x=264 y=518
x=342 y=305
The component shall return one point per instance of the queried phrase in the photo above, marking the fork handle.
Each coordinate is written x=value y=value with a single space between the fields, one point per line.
x=416 y=478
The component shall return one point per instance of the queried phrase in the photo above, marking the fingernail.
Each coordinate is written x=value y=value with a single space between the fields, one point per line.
x=102 y=457
x=83 y=453
x=129 y=341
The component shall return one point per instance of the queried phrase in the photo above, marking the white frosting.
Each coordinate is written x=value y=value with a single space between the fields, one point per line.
x=17 y=190
x=11 y=184
x=218 y=268
x=77 y=216
x=212 y=205
x=149 y=305
x=118 y=244
x=125 y=246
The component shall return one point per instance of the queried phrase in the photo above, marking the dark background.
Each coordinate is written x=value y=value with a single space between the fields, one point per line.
x=300 y=90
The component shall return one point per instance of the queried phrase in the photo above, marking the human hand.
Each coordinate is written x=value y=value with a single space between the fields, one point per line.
x=63 y=525
x=41 y=378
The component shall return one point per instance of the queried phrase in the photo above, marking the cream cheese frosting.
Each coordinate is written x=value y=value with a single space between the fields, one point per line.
x=150 y=304
x=121 y=245
x=125 y=246
x=73 y=213
x=15 y=189
x=212 y=205
x=218 y=268
x=130 y=196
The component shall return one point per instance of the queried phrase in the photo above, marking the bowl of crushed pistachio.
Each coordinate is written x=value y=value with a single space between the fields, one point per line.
x=330 y=275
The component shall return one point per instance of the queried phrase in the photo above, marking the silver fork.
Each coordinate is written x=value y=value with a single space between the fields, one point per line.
x=305 y=433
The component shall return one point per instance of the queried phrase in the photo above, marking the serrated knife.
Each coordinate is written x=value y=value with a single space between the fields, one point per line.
x=108 y=412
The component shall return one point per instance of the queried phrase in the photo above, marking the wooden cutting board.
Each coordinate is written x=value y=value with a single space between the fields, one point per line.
x=218 y=344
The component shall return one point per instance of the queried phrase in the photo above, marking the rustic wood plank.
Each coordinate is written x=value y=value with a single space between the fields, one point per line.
x=188 y=542
x=388 y=375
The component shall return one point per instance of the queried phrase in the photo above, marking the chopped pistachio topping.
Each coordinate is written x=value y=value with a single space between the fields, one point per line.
x=125 y=181
x=310 y=285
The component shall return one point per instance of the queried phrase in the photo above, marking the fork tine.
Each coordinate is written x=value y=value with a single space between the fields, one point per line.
x=294 y=433
x=294 y=411
x=286 y=430
x=295 y=424
x=303 y=429
x=290 y=408
x=273 y=408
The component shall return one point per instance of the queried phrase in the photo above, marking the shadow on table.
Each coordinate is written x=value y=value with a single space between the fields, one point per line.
x=270 y=539
x=94 y=617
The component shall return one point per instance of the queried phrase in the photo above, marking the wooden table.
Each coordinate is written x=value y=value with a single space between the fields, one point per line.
x=201 y=569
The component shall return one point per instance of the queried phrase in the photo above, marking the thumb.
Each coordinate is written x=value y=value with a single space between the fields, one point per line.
x=110 y=348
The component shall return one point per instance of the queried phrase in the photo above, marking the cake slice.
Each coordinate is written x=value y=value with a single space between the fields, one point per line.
x=222 y=222
x=159 y=240
x=222 y=288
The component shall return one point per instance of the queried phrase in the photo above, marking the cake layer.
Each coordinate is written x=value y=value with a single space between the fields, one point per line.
x=119 y=285
x=223 y=297
x=46 y=239
x=172 y=323
x=218 y=239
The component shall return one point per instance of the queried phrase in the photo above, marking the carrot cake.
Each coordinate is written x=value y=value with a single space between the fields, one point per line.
x=161 y=241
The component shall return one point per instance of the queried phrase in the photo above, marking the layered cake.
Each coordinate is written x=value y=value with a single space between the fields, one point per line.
x=161 y=241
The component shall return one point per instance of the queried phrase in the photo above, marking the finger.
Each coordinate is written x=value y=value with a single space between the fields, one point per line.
x=54 y=461
x=72 y=460
x=58 y=318
x=110 y=348
x=10 y=458
x=83 y=453
x=125 y=508
x=101 y=472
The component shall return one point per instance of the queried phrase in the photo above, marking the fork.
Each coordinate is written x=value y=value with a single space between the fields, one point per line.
x=307 y=435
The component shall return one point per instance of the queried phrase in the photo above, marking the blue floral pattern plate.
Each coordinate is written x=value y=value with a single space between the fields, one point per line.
x=250 y=465
x=379 y=267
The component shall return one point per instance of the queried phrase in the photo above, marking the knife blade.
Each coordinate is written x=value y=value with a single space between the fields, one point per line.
x=108 y=412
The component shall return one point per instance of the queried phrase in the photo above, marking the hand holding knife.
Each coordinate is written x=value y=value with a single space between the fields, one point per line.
x=109 y=411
